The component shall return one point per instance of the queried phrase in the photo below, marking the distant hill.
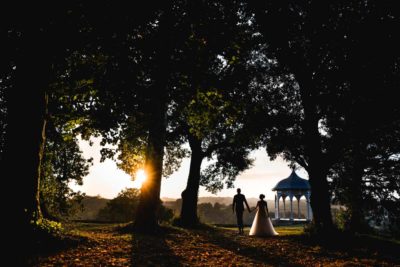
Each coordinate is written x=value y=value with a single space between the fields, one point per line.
x=221 y=213
x=221 y=200
x=225 y=200
x=175 y=203
x=91 y=207
x=168 y=199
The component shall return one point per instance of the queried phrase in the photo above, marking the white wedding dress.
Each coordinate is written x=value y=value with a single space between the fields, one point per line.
x=262 y=225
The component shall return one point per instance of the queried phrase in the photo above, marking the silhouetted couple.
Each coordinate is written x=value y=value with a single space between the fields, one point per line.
x=262 y=225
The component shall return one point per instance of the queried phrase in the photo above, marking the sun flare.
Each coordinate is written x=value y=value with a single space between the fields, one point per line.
x=140 y=178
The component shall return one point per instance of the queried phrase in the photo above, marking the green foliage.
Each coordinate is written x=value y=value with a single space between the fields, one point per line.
x=165 y=215
x=367 y=178
x=204 y=112
x=62 y=164
x=122 y=208
x=221 y=214
x=388 y=212
x=89 y=208
x=230 y=163
x=132 y=155
x=318 y=84
x=47 y=226
x=338 y=117
x=213 y=214
x=341 y=219
x=173 y=154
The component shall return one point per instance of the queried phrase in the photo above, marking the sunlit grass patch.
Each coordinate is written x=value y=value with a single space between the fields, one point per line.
x=290 y=230
x=282 y=230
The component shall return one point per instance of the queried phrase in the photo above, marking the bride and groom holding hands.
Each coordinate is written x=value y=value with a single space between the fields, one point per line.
x=262 y=225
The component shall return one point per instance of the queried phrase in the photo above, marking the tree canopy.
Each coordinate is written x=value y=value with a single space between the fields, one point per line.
x=314 y=82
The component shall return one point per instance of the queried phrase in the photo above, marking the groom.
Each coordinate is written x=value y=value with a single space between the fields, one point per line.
x=238 y=206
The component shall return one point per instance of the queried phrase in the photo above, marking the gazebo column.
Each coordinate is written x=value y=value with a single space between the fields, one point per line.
x=284 y=206
x=308 y=206
x=298 y=206
x=276 y=206
x=277 y=203
x=291 y=206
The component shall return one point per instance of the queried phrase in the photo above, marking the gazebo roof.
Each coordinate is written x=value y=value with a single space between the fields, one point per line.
x=293 y=182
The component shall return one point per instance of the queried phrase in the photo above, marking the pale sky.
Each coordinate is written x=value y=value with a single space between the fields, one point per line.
x=106 y=180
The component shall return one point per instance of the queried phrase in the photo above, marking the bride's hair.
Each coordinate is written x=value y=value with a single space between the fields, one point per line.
x=262 y=196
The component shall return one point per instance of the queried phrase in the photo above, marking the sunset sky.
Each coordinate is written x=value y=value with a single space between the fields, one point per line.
x=106 y=180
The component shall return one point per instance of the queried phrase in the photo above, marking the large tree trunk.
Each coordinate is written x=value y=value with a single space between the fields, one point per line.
x=149 y=204
x=25 y=137
x=190 y=194
x=356 y=223
x=146 y=220
x=317 y=165
x=279 y=38
x=355 y=191
x=320 y=199
x=358 y=130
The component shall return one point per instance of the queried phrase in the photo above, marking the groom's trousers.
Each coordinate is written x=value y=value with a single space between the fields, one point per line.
x=239 y=216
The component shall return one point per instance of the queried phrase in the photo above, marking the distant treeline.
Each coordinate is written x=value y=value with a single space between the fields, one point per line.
x=212 y=210
x=119 y=209
x=90 y=207
x=219 y=210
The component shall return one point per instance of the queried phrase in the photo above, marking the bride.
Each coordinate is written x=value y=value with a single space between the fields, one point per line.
x=262 y=225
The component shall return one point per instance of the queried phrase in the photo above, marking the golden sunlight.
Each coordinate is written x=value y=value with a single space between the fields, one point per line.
x=140 y=178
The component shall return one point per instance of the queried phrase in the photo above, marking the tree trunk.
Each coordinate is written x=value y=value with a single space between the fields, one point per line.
x=25 y=137
x=190 y=194
x=317 y=166
x=320 y=199
x=146 y=220
x=149 y=204
x=356 y=223
x=358 y=131
x=355 y=193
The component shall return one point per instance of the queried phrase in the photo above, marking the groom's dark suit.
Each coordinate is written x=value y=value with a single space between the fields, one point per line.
x=238 y=207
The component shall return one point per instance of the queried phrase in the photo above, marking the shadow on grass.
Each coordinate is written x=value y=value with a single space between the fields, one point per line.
x=216 y=237
x=365 y=246
x=340 y=247
x=285 y=250
x=347 y=246
x=42 y=244
x=153 y=250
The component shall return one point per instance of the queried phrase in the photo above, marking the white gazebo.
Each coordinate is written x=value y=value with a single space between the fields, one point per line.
x=292 y=187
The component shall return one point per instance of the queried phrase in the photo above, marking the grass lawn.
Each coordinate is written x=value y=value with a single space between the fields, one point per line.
x=282 y=230
x=107 y=245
